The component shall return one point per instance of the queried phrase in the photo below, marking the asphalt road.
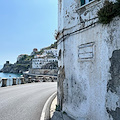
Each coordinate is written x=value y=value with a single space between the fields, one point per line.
x=25 y=102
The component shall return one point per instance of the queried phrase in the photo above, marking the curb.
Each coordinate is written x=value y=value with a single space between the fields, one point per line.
x=45 y=115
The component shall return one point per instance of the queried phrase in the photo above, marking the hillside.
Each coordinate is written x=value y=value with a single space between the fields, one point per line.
x=24 y=63
x=19 y=67
x=54 y=45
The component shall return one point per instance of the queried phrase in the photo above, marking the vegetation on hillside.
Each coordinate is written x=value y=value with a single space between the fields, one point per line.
x=54 y=45
x=25 y=58
x=20 y=66
x=108 y=12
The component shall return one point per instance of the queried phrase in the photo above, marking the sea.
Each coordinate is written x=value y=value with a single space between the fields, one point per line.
x=9 y=76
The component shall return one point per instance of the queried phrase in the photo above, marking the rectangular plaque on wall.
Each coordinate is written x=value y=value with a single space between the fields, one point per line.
x=85 y=51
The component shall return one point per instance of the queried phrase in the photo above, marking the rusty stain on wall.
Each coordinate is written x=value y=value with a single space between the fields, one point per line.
x=114 y=86
x=59 y=54
x=61 y=77
x=115 y=114
x=114 y=71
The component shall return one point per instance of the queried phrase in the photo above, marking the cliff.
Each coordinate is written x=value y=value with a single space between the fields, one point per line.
x=19 y=67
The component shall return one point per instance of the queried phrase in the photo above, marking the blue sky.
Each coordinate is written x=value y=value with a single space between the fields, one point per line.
x=24 y=25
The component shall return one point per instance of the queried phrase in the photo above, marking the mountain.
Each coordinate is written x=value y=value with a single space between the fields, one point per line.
x=19 y=67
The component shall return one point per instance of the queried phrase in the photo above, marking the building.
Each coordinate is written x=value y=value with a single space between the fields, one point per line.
x=34 y=51
x=50 y=51
x=89 y=62
x=40 y=60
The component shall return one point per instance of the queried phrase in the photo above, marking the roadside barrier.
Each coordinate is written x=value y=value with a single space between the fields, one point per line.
x=29 y=80
x=22 y=80
x=14 y=81
x=4 y=82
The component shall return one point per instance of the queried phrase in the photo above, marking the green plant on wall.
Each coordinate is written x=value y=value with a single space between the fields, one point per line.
x=108 y=12
x=117 y=7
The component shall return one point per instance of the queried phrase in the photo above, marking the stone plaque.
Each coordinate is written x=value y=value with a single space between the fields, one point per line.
x=85 y=51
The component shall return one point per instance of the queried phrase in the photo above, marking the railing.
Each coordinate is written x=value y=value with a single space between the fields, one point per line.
x=21 y=80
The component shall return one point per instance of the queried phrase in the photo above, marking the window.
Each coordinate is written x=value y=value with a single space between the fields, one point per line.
x=83 y=2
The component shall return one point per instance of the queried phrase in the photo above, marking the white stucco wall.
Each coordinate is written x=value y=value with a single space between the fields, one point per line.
x=84 y=69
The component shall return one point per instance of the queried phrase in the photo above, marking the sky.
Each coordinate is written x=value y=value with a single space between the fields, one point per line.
x=24 y=25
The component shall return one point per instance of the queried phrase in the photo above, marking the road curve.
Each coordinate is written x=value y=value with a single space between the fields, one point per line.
x=25 y=102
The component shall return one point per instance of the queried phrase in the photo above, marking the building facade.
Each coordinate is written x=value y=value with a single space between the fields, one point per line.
x=50 y=51
x=41 y=61
x=89 y=62
x=48 y=56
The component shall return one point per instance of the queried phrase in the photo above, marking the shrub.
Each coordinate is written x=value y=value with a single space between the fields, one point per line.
x=117 y=7
x=108 y=12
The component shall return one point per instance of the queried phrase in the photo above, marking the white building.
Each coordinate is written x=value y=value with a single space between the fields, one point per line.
x=89 y=62
x=40 y=61
x=50 y=51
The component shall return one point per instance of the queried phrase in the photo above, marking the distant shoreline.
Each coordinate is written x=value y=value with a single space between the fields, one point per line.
x=9 y=75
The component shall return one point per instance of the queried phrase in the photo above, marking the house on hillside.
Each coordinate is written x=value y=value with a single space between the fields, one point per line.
x=89 y=62
x=50 y=51
x=39 y=62
x=34 y=51
x=48 y=56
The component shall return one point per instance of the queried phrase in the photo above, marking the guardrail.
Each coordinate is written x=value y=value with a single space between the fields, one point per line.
x=4 y=82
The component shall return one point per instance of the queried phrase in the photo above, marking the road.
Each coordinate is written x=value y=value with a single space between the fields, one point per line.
x=24 y=102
